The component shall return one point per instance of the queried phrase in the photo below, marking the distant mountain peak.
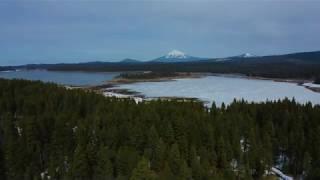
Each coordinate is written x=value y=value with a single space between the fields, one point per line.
x=247 y=55
x=176 y=54
x=129 y=60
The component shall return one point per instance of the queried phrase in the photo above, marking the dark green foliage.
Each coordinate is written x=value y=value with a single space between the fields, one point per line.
x=2 y=164
x=317 y=80
x=147 y=75
x=104 y=166
x=72 y=134
x=266 y=67
x=142 y=171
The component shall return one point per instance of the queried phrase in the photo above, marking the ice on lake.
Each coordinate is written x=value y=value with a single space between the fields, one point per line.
x=211 y=88
x=225 y=89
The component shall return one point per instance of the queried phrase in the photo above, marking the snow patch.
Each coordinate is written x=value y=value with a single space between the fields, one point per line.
x=312 y=85
x=176 y=54
x=118 y=95
x=74 y=129
x=8 y=71
x=281 y=174
x=234 y=164
x=246 y=55
x=244 y=145
x=44 y=175
x=19 y=130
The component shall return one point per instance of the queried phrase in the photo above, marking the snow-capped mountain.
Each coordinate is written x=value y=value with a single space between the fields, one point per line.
x=233 y=58
x=246 y=55
x=176 y=56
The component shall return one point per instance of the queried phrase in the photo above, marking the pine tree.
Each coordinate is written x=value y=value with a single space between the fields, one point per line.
x=104 y=167
x=166 y=172
x=196 y=168
x=169 y=134
x=174 y=159
x=2 y=164
x=14 y=154
x=143 y=171
x=126 y=161
x=185 y=171
x=159 y=155
x=221 y=154
x=80 y=165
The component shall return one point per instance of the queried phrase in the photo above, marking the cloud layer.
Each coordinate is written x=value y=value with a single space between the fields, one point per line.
x=77 y=31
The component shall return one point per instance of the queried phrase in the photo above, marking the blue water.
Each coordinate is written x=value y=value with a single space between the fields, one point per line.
x=64 y=78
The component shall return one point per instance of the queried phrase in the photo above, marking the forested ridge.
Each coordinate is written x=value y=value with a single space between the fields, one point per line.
x=305 y=65
x=254 y=67
x=147 y=75
x=47 y=131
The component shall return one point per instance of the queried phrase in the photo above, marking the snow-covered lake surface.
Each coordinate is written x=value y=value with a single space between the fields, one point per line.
x=64 y=78
x=312 y=85
x=208 y=89
x=225 y=89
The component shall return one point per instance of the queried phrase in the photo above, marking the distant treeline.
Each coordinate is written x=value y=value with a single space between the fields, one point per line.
x=6 y=68
x=47 y=132
x=147 y=75
x=270 y=70
x=298 y=65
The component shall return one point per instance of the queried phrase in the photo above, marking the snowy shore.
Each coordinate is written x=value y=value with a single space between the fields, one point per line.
x=118 y=95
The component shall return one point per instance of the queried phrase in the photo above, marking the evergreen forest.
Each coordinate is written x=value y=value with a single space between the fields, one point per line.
x=49 y=132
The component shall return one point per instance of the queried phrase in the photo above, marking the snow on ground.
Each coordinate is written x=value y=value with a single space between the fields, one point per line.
x=244 y=145
x=281 y=174
x=312 y=85
x=19 y=130
x=118 y=95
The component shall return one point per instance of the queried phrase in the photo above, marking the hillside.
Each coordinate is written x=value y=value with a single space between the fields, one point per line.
x=50 y=132
x=175 y=56
x=304 y=65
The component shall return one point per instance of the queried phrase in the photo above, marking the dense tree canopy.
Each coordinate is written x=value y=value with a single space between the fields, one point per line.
x=147 y=75
x=252 y=67
x=47 y=131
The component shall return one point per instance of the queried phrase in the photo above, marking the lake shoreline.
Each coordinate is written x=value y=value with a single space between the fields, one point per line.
x=202 y=86
x=111 y=88
x=300 y=82
x=179 y=75
x=114 y=88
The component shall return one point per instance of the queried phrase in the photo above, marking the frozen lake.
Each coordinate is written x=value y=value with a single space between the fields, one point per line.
x=211 y=88
x=225 y=89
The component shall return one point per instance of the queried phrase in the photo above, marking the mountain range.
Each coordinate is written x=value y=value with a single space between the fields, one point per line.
x=295 y=65
x=177 y=56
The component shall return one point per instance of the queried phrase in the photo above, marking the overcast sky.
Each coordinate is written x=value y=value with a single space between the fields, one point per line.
x=39 y=31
